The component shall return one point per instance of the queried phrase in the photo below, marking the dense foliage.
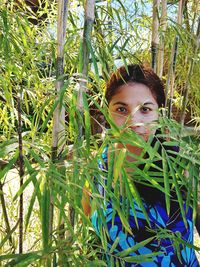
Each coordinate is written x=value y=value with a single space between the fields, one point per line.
x=55 y=229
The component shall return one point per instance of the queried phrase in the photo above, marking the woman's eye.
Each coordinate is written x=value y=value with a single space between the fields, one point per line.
x=122 y=109
x=145 y=109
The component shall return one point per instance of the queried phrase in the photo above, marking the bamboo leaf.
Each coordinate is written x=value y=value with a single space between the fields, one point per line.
x=124 y=220
x=96 y=263
x=35 y=194
x=138 y=199
x=9 y=165
x=87 y=122
x=127 y=251
x=6 y=238
x=178 y=193
x=130 y=197
x=166 y=181
x=23 y=260
x=94 y=61
x=110 y=168
x=143 y=258
x=45 y=209
x=114 y=245
x=118 y=164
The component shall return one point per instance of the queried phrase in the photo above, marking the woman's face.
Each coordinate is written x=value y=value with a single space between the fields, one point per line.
x=135 y=107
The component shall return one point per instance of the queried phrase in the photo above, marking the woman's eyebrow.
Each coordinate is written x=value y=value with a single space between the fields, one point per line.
x=120 y=103
x=148 y=103
x=142 y=104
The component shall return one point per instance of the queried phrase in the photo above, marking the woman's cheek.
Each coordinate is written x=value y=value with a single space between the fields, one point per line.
x=119 y=120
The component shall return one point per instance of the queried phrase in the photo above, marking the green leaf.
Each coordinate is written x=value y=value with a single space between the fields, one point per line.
x=127 y=182
x=96 y=263
x=45 y=216
x=87 y=122
x=120 y=156
x=114 y=245
x=166 y=181
x=6 y=238
x=127 y=251
x=178 y=192
x=9 y=165
x=143 y=258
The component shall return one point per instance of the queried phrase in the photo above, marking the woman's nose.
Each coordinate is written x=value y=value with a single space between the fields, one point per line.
x=135 y=119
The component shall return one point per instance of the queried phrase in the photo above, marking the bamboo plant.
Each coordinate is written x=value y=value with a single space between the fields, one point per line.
x=85 y=49
x=59 y=113
x=163 y=27
x=58 y=131
x=190 y=71
x=172 y=67
x=28 y=61
x=155 y=34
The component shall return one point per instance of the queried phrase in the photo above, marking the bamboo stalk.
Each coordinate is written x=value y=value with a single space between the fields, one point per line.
x=58 y=133
x=21 y=173
x=59 y=113
x=83 y=70
x=190 y=71
x=186 y=17
x=163 y=26
x=155 y=34
x=98 y=28
x=171 y=72
x=88 y=24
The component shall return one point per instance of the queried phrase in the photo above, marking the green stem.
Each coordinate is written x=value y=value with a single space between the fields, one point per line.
x=21 y=173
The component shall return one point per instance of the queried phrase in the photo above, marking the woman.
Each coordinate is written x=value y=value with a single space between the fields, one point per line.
x=134 y=95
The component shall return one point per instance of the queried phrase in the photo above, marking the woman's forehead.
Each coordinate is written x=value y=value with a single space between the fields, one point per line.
x=133 y=93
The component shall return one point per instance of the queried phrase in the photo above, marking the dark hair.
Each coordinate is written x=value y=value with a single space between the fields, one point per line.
x=139 y=74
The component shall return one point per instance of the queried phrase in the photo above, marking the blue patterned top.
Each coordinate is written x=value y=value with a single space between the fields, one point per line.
x=159 y=219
